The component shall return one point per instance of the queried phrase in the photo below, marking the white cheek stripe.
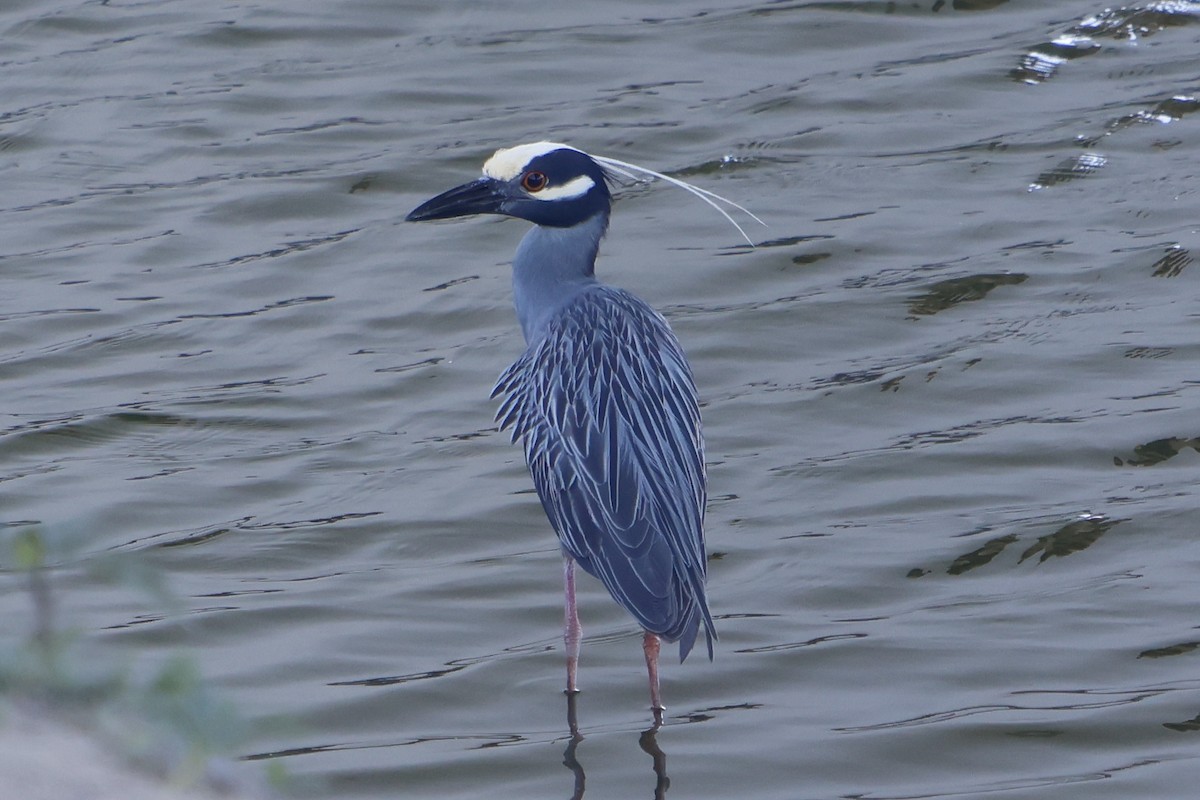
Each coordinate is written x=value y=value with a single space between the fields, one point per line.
x=506 y=164
x=576 y=187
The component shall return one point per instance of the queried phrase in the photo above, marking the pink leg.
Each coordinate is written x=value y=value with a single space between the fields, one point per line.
x=572 y=631
x=650 y=648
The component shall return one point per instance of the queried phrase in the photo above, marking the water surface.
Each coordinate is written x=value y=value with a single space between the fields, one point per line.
x=949 y=396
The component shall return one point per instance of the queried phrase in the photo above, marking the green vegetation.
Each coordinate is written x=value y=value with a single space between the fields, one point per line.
x=170 y=726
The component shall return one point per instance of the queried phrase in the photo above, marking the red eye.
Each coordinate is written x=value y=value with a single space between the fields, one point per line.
x=533 y=181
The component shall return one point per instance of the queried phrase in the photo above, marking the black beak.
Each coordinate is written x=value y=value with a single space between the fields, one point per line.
x=482 y=196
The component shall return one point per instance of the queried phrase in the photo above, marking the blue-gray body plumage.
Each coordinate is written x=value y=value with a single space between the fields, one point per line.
x=604 y=402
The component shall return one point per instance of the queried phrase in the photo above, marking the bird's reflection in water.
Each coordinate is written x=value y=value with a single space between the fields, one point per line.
x=648 y=741
x=569 y=759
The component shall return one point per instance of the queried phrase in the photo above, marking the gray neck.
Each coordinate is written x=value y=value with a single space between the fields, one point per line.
x=552 y=266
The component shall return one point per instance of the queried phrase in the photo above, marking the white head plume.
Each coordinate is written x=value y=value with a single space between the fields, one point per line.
x=635 y=172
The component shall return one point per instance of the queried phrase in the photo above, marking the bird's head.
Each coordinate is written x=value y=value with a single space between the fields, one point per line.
x=544 y=182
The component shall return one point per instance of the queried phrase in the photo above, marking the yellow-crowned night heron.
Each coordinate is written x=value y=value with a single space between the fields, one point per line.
x=602 y=398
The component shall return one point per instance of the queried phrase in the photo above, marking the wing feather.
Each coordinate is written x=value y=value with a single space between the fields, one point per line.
x=606 y=408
